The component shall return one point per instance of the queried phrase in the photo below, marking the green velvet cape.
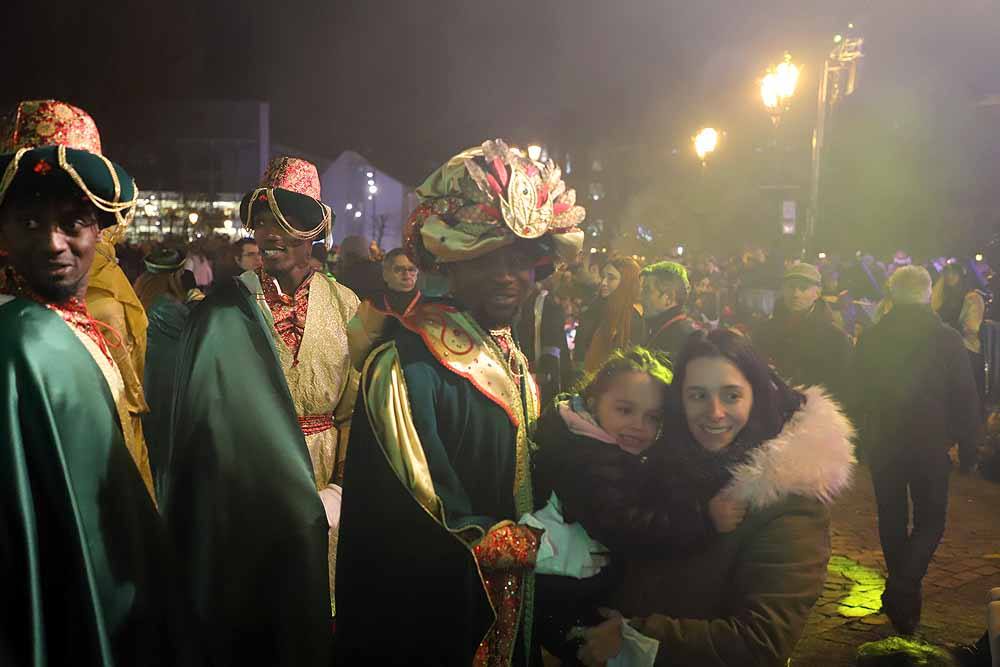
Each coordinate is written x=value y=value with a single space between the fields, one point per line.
x=408 y=592
x=84 y=563
x=239 y=496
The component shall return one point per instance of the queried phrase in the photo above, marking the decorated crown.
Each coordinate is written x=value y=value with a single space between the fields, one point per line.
x=291 y=185
x=488 y=197
x=42 y=136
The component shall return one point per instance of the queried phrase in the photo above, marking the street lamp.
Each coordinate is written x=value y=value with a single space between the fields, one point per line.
x=778 y=86
x=705 y=142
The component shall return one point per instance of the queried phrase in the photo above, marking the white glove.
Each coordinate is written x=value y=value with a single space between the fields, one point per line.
x=564 y=550
x=638 y=650
x=332 y=496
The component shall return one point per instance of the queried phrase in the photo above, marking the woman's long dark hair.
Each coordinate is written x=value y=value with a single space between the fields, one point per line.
x=773 y=400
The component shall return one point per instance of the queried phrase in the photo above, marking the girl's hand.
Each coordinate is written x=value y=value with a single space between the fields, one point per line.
x=726 y=514
x=602 y=642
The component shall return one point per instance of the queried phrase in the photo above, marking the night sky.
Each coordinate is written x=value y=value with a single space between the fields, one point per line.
x=410 y=82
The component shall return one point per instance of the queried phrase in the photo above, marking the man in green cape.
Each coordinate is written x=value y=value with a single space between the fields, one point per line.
x=253 y=482
x=83 y=556
x=432 y=568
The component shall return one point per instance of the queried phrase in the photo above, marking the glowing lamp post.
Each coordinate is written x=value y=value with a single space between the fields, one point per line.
x=705 y=142
x=778 y=86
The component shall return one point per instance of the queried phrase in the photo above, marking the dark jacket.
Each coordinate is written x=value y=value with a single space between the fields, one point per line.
x=617 y=500
x=614 y=495
x=543 y=341
x=668 y=331
x=745 y=597
x=807 y=349
x=361 y=276
x=916 y=395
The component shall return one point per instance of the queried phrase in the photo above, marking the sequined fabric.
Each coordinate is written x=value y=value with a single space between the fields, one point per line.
x=505 y=555
x=50 y=123
x=289 y=312
x=314 y=356
x=74 y=312
x=293 y=174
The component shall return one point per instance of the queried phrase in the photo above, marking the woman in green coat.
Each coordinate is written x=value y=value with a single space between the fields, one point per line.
x=743 y=599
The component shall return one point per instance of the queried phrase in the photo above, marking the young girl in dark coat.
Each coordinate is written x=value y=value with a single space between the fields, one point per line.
x=591 y=467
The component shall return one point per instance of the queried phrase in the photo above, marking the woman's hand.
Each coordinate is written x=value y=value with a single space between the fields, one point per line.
x=602 y=642
x=727 y=514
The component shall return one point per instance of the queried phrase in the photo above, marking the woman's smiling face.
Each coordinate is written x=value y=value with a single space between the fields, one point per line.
x=717 y=401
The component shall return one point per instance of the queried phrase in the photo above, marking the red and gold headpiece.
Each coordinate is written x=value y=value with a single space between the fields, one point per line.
x=43 y=137
x=488 y=197
x=290 y=185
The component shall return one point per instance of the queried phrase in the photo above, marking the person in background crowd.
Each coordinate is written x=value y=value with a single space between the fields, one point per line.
x=962 y=307
x=356 y=270
x=165 y=276
x=735 y=427
x=199 y=264
x=801 y=339
x=665 y=292
x=112 y=300
x=85 y=563
x=248 y=256
x=317 y=259
x=915 y=397
x=253 y=486
x=614 y=321
x=398 y=297
x=399 y=274
x=441 y=430
x=541 y=333
x=167 y=291
x=586 y=272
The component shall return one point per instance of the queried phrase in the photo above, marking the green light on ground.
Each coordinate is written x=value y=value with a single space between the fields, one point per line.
x=864 y=597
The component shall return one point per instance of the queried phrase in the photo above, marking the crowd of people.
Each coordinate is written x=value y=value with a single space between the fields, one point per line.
x=487 y=447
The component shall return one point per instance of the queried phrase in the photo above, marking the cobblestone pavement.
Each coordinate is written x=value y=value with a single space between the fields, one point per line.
x=965 y=567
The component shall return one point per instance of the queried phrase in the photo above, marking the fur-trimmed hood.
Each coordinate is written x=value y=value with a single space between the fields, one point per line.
x=813 y=456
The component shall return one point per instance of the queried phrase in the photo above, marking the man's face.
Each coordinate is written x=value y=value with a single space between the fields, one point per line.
x=282 y=252
x=51 y=243
x=655 y=300
x=799 y=295
x=400 y=274
x=493 y=287
x=249 y=258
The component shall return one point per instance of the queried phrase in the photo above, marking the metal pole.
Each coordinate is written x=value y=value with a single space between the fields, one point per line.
x=817 y=154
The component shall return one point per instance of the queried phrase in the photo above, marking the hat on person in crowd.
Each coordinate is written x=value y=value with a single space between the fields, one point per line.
x=43 y=139
x=910 y=285
x=489 y=197
x=290 y=189
x=659 y=269
x=803 y=271
x=164 y=260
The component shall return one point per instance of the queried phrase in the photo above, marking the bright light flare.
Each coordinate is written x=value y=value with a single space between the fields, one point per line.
x=535 y=152
x=706 y=141
x=779 y=84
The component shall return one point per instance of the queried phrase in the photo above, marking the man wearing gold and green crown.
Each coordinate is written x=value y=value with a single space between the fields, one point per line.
x=439 y=468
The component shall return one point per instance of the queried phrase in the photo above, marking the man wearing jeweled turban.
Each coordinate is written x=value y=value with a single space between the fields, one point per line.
x=439 y=468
